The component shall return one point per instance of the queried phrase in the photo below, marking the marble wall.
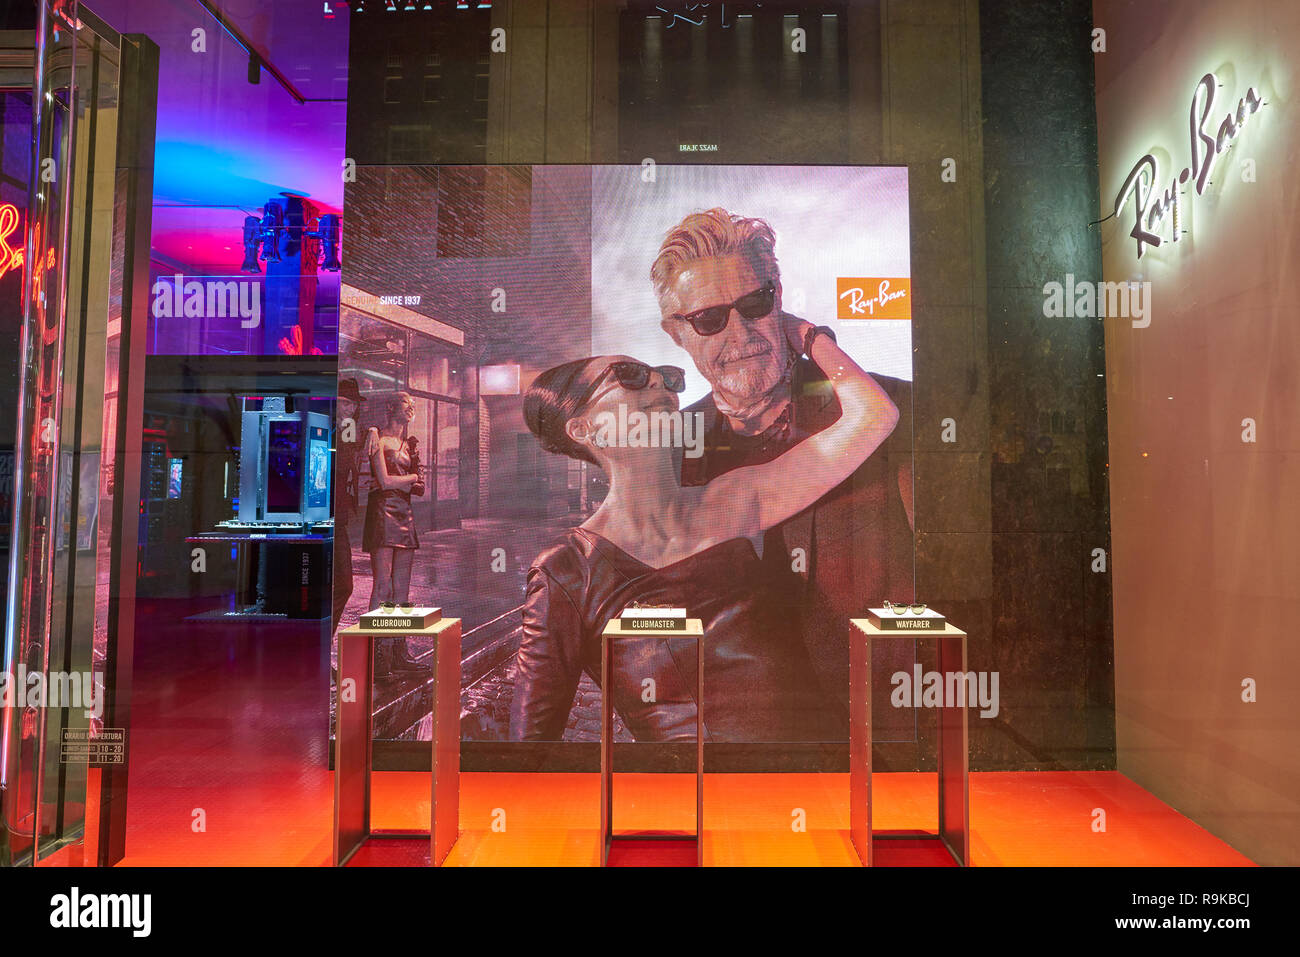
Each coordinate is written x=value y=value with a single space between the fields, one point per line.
x=1010 y=434
x=1051 y=623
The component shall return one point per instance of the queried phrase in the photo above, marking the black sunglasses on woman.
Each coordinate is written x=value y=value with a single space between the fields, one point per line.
x=634 y=375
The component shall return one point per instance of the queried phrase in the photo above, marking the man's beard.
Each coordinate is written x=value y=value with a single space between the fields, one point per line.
x=749 y=379
x=747 y=383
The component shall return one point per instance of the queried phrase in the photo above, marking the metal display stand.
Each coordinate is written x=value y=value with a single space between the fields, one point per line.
x=953 y=743
x=352 y=741
x=253 y=599
x=613 y=632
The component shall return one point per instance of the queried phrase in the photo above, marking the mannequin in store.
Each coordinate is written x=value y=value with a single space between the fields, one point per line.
x=653 y=541
x=389 y=535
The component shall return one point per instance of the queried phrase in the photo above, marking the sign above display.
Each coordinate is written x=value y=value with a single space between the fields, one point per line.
x=1156 y=212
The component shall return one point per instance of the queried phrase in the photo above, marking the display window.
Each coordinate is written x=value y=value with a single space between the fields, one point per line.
x=585 y=432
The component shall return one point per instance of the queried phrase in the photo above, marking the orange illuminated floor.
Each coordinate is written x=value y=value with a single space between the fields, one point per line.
x=1023 y=818
x=228 y=767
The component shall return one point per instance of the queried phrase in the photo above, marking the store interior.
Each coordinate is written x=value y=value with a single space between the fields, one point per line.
x=384 y=198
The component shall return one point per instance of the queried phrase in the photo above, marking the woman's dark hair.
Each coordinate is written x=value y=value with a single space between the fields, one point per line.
x=551 y=401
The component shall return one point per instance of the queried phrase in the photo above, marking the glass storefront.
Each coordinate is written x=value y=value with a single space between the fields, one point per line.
x=800 y=330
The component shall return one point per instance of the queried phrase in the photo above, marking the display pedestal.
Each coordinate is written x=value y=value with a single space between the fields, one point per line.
x=953 y=746
x=613 y=633
x=352 y=741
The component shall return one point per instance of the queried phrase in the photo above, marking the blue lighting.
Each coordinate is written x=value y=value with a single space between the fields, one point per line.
x=195 y=173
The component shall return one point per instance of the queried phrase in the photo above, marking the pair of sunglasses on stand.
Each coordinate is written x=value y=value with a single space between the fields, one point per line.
x=406 y=608
x=634 y=375
x=713 y=319
x=899 y=609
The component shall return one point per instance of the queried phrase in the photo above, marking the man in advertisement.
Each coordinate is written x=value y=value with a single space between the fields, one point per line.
x=719 y=290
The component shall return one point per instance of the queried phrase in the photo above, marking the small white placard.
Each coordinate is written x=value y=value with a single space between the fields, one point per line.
x=653 y=613
x=401 y=613
x=887 y=613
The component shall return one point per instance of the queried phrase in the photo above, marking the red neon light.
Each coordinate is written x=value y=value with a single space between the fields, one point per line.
x=10 y=258
x=37 y=272
x=293 y=346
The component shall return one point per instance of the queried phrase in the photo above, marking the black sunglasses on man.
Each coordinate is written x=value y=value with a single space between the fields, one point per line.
x=713 y=319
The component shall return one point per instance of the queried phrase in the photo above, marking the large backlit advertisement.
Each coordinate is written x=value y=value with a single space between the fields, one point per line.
x=582 y=389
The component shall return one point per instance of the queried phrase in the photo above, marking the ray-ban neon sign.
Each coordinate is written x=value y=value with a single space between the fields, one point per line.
x=11 y=257
x=1156 y=213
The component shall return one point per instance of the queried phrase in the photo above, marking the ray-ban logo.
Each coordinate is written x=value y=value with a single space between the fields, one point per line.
x=1157 y=213
x=873 y=298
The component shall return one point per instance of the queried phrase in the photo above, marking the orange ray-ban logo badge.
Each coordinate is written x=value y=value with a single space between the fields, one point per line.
x=873 y=298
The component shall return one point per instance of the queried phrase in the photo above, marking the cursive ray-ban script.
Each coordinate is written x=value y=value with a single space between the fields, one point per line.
x=859 y=301
x=1156 y=210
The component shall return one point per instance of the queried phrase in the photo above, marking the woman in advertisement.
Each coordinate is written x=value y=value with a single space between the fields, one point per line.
x=653 y=541
x=389 y=534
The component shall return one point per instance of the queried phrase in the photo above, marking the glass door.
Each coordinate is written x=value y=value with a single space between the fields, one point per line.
x=57 y=737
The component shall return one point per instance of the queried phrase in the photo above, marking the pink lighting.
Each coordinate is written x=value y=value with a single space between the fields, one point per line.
x=499 y=380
